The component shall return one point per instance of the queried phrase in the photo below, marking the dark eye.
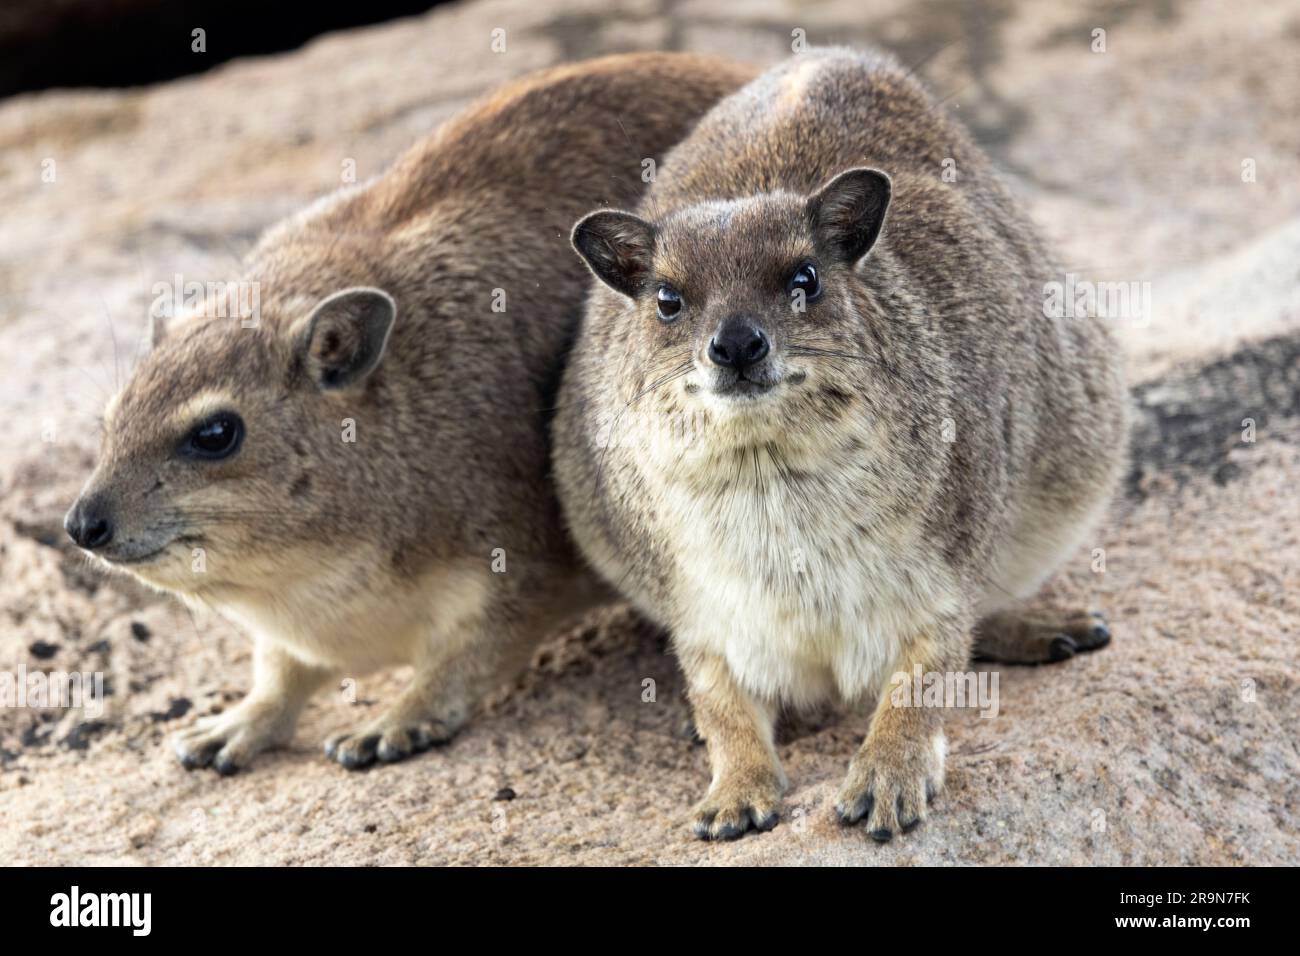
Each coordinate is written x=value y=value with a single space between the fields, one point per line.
x=669 y=303
x=805 y=277
x=215 y=437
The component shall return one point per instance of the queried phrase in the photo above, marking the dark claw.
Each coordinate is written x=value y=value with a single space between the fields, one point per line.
x=702 y=826
x=763 y=824
x=905 y=827
x=1062 y=648
x=202 y=758
x=225 y=766
x=686 y=730
x=862 y=808
x=390 y=754
x=365 y=757
x=730 y=831
x=1100 y=635
x=929 y=793
x=883 y=835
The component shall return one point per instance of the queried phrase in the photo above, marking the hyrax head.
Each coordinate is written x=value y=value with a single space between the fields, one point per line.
x=216 y=451
x=732 y=302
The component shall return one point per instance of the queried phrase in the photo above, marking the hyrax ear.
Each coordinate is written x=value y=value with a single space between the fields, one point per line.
x=343 y=339
x=619 y=247
x=849 y=211
x=164 y=324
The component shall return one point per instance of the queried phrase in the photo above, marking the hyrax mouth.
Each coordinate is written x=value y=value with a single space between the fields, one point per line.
x=744 y=388
x=127 y=557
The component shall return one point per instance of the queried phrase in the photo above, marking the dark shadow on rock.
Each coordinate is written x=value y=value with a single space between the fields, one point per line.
x=1186 y=423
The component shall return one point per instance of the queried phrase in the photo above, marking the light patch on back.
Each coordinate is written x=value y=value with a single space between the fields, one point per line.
x=795 y=83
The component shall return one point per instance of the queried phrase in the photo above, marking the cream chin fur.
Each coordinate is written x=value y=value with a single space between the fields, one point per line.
x=318 y=619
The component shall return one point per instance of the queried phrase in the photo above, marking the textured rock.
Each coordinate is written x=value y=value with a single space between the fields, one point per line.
x=1177 y=744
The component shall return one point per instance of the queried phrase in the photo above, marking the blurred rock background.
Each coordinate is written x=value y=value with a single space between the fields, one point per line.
x=1173 y=157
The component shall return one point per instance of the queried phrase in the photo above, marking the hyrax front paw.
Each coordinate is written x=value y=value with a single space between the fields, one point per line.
x=388 y=739
x=227 y=742
x=889 y=784
x=737 y=804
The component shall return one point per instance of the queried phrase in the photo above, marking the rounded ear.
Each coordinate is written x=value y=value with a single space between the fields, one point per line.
x=165 y=324
x=343 y=339
x=849 y=211
x=619 y=247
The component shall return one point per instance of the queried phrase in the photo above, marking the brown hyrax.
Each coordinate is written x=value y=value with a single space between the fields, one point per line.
x=818 y=425
x=359 y=474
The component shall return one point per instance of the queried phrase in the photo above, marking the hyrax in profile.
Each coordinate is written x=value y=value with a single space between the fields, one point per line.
x=361 y=478
x=818 y=425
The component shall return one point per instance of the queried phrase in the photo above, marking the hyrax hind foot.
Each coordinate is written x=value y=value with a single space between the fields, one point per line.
x=227 y=742
x=396 y=735
x=889 y=784
x=1025 y=637
x=738 y=803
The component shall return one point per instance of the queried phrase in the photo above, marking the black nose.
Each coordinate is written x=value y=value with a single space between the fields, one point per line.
x=738 y=344
x=88 y=524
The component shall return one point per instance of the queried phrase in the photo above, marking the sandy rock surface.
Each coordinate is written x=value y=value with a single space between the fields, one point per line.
x=1176 y=744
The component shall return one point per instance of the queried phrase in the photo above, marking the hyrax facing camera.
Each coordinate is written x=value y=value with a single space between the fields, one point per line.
x=818 y=425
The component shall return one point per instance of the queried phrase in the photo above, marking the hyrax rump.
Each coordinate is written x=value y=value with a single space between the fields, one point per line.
x=818 y=425
x=361 y=479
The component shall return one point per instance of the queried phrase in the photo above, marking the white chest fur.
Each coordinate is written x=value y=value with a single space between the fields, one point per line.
x=807 y=589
